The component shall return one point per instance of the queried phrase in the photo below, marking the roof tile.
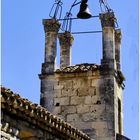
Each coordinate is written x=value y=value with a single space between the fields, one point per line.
x=79 y=68
x=37 y=114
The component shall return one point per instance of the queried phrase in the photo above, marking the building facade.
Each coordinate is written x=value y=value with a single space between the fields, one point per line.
x=88 y=96
x=81 y=102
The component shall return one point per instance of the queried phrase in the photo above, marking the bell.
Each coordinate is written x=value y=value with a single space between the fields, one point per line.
x=84 y=12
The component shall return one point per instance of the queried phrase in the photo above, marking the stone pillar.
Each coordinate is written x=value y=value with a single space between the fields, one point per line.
x=108 y=28
x=51 y=28
x=118 y=37
x=65 y=40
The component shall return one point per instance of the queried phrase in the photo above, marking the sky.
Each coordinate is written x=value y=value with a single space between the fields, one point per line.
x=22 y=51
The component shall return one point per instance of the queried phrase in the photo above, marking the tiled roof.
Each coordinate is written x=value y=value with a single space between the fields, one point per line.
x=79 y=68
x=16 y=105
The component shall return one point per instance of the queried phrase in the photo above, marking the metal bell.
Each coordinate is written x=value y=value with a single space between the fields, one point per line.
x=84 y=12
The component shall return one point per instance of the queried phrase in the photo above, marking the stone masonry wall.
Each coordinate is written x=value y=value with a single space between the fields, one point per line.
x=86 y=100
x=22 y=119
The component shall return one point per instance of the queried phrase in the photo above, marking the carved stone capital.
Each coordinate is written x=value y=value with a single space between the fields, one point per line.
x=108 y=19
x=118 y=35
x=51 y=25
x=65 y=39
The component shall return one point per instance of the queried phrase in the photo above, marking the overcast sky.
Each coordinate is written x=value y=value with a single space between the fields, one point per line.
x=23 y=48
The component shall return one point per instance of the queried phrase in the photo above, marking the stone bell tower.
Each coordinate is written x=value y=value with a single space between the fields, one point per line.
x=88 y=96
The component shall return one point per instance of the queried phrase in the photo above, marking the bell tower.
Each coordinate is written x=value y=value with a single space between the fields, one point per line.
x=88 y=96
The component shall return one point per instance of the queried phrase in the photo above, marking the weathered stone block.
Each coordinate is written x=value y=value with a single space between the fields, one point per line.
x=68 y=110
x=57 y=110
x=47 y=86
x=75 y=100
x=89 y=117
x=47 y=100
x=67 y=84
x=74 y=92
x=93 y=91
x=82 y=108
x=73 y=118
x=100 y=125
x=83 y=91
x=59 y=87
x=88 y=100
x=57 y=93
x=111 y=125
x=66 y=92
x=96 y=100
x=97 y=82
x=94 y=82
x=82 y=125
x=76 y=83
x=61 y=101
x=83 y=82
x=102 y=132
x=98 y=108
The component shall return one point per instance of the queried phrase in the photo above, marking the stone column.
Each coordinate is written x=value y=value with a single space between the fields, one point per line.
x=118 y=37
x=65 y=40
x=51 y=28
x=108 y=28
x=109 y=86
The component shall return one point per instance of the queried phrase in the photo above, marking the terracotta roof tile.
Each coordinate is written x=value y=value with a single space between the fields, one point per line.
x=79 y=68
x=35 y=113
